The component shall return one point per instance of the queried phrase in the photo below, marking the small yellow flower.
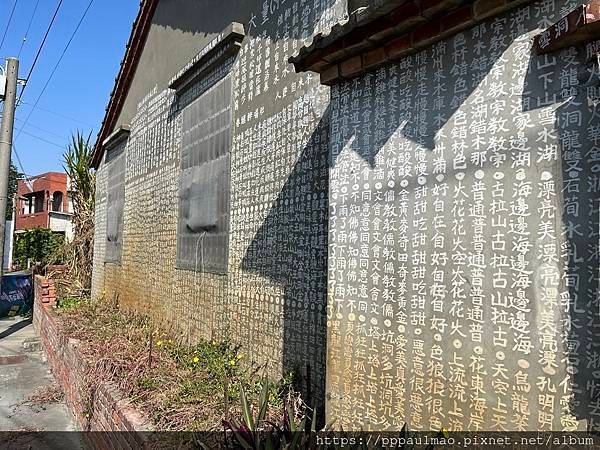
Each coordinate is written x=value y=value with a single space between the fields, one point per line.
x=170 y=341
x=240 y=356
x=232 y=362
x=159 y=343
x=196 y=359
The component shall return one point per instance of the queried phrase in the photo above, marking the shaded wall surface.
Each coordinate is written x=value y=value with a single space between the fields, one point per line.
x=272 y=297
x=463 y=236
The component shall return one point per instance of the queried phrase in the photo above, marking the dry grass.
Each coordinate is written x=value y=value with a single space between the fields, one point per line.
x=181 y=388
x=46 y=395
x=75 y=277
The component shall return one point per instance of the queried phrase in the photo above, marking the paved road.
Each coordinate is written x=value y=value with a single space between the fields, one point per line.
x=23 y=371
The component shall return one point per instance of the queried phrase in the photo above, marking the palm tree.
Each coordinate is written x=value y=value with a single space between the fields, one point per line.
x=79 y=253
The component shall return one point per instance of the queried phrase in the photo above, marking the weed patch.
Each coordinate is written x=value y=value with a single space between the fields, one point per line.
x=180 y=387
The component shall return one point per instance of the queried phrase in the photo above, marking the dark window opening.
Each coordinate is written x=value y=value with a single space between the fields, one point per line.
x=203 y=230
x=33 y=203
x=57 y=201
x=115 y=160
x=39 y=202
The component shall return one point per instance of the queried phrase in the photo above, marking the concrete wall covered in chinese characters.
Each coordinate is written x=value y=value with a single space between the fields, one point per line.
x=463 y=236
x=272 y=298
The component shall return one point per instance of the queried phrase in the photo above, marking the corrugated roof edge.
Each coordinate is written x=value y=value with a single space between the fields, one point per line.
x=361 y=16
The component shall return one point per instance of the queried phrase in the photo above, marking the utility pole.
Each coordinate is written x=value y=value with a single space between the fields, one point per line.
x=6 y=135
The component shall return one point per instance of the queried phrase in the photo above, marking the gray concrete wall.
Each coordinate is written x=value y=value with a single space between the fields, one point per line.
x=451 y=199
x=463 y=236
x=179 y=30
x=272 y=298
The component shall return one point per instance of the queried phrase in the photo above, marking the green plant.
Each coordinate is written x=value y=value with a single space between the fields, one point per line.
x=77 y=160
x=69 y=302
x=38 y=246
x=256 y=432
x=79 y=253
x=181 y=387
x=13 y=178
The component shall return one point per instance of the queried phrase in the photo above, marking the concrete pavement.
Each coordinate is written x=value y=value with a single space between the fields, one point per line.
x=23 y=372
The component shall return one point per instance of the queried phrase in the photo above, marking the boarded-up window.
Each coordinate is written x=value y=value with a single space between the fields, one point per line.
x=202 y=239
x=115 y=160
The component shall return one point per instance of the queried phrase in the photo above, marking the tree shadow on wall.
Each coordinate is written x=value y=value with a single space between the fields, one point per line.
x=416 y=81
x=578 y=191
x=290 y=249
x=559 y=82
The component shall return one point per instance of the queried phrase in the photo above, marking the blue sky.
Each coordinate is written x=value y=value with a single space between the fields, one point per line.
x=78 y=93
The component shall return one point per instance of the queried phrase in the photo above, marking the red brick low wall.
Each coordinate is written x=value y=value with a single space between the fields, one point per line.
x=44 y=290
x=107 y=410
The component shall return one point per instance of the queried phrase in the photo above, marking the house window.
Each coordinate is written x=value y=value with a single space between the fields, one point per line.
x=40 y=198
x=57 y=201
x=115 y=160
x=203 y=230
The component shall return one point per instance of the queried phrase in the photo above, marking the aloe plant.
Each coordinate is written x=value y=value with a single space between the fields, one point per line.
x=257 y=433
x=247 y=431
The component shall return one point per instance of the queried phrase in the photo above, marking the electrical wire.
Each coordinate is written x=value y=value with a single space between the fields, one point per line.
x=21 y=130
x=73 y=119
x=43 y=130
x=12 y=12
x=30 y=70
x=28 y=28
x=27 y=180
x=56 y=65
x=39 y=51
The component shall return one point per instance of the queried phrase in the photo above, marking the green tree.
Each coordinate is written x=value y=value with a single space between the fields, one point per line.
x=38 y=245
x=13 y=178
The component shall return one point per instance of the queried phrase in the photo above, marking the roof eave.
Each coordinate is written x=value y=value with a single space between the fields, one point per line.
x=135 y=46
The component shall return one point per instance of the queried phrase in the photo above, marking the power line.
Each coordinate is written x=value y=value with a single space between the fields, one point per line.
x=8 y=24
x=21 y=130
x=57 y=64
x=28 y=28
x=59 y=114
x=14 y=149
x=43 y=130
x=40 y=128
x=40 y=49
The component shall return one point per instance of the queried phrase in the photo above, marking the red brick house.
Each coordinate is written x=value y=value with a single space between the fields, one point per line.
x=44 y=202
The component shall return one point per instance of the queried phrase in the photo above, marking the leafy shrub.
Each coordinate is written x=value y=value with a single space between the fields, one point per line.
x=79 y=253
x=257 y=432
x=38 y=246
x=69 y=302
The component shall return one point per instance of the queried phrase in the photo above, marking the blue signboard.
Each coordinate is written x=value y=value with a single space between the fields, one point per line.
x=16 y=294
